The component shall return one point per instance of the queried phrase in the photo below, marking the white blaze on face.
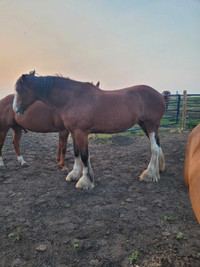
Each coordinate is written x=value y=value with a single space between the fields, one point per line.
x=15 y=102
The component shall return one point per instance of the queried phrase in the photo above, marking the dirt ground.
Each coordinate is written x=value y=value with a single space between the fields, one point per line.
x=47 y=222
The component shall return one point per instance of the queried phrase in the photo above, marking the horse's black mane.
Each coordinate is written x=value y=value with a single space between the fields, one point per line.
x=42 y=85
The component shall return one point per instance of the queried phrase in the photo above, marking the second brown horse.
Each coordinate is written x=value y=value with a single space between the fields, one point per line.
x=38 y=118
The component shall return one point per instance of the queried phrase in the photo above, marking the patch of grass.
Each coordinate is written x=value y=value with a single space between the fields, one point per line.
x=17 y=235
x=10 y=235
x=102 y=138
x=191 y=123
x=179 y=236
x=170 y=218
x=76 y=245
x=133 y=257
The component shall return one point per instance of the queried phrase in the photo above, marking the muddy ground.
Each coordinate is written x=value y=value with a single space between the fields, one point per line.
x=47 y=222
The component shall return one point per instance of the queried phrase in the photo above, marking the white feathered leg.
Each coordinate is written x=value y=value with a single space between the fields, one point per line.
x=75 y=174
x=22 y=161
x=152 y=171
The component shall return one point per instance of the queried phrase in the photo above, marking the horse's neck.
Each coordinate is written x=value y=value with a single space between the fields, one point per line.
x=58 y=98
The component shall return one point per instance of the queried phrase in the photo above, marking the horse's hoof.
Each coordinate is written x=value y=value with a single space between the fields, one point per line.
x=145 y=176
x=84 y=183
x=25 y=164
x=64 y=168
x=71 y=177
x=149 y=179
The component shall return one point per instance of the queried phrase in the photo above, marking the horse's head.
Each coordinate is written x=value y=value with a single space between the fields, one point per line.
x=166 y=93
x=24 y=96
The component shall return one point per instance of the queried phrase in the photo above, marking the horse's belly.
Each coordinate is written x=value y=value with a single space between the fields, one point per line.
x=36 y=124
x=113 y=126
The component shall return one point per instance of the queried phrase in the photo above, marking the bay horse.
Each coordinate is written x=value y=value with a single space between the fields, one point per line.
x=192 y=170
x=166 y=95
x=40 y=118
x=84 y=109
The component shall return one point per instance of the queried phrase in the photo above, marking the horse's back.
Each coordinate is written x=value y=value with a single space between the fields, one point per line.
x=192 y=169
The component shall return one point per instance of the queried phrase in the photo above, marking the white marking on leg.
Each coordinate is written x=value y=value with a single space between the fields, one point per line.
x=1 y=163
x=15 y=102
x=87 y=179
x=152 y=171
x=21 y=161
x=75 y=174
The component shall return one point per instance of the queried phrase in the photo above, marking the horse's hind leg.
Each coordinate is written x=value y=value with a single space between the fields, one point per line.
x=17 y=134
x=2 y=139
x=157 y=162
x=161 y=156
x=63 y=136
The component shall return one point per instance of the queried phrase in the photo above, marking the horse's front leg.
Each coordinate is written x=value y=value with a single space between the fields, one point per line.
x=2 y=139
x=81 y=148
x=76 y=173
x=16 y=141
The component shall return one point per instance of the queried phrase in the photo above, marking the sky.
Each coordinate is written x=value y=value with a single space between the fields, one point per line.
x=120 y=43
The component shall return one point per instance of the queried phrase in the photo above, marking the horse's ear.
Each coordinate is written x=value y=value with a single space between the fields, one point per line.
x=98 y=84
x=32 y=72
x=23 y=78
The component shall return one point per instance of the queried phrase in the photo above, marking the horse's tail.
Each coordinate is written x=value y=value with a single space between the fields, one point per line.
x=22 y=128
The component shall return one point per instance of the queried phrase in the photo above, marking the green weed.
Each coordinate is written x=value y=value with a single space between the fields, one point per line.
x=179 y=236
x=133 y=257
x=17 y=235
x=169 y=218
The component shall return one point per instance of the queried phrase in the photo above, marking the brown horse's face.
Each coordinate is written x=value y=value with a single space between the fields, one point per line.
x=23 y=99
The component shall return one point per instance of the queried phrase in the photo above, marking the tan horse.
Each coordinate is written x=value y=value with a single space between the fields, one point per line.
x=39 y=118
x=192 y=170
x=85 y=109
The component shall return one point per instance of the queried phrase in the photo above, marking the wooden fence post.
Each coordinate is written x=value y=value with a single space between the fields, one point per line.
x=184 y=110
